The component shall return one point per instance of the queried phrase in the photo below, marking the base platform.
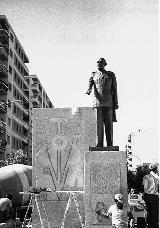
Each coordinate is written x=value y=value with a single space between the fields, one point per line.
x=108 y=148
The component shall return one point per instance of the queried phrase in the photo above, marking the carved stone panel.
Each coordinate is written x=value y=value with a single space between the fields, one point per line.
x=105 y=176
x=60 y=140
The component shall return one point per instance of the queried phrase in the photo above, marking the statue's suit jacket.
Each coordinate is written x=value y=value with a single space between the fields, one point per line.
x=105 y=89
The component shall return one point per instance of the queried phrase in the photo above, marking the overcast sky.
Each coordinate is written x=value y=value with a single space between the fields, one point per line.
x=64 y=38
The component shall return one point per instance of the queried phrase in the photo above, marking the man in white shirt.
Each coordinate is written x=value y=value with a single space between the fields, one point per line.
x=119 y=212
x=151 y=196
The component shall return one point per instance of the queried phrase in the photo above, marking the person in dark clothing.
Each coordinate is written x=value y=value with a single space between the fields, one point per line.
x=151 y=196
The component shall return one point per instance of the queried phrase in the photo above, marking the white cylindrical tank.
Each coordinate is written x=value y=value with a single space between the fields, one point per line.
x=14 y=179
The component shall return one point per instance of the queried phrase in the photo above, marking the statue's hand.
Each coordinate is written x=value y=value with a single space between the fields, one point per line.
x=116 y=107
x=88 y=92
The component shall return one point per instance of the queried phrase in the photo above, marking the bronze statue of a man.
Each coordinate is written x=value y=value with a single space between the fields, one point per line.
x=105 y=92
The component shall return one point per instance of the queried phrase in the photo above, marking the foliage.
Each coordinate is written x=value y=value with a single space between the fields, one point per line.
x=135 y=179
x=19 y=157
x=141 y=171
x=130 y=180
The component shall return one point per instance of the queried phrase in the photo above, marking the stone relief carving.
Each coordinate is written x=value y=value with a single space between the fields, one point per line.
x=61 y=157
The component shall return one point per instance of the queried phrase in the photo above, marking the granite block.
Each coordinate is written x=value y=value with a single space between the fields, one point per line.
x=105 y=176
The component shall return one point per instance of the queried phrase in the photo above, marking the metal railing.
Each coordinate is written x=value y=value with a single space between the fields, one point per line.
x=3 y=69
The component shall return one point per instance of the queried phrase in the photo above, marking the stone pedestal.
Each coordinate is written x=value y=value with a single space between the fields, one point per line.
x=105 y=176
x=108 y=148
x=60 y=140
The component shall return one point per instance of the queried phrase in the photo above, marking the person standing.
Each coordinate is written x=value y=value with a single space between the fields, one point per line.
x=151 y=196
x=105 y=92
x=120 y=213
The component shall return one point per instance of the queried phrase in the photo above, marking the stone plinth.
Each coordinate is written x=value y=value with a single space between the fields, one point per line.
x=60 y=139
x=105 y=176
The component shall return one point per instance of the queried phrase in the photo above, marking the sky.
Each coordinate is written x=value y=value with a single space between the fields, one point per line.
x=63 y=40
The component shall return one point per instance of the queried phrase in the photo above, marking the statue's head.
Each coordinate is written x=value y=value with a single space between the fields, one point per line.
x=101 y=63
x=102 y=60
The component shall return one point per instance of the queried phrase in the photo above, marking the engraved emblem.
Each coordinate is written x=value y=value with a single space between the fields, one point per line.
x=59 y=142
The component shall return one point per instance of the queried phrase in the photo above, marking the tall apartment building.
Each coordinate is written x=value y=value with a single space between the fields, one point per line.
x=16 y=95
x=38 y=99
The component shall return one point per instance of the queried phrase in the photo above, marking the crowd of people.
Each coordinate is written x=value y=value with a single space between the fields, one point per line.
x=122 y=215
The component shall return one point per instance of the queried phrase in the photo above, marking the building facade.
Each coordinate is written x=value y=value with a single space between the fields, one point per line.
x=38 y=98
x=17 y=92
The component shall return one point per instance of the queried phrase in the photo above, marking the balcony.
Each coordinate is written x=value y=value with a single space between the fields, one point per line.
x=4 y=37
x=3 y=107
x=26 y=90
x=35 y=100
x=35 y=88
x=25 y=132
x=25 y=118
x=3 y=144
x=24 y=146
x=2 y=127
x=26 y=105
x=4 y=23
x=3 y=71
x=26 y=93
x=3 y=88
x=3 y=53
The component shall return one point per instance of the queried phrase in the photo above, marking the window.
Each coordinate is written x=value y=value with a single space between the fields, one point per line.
x=9 y=103
x=14 y=125
x=9 y=86
x=22 y=56
x=15 y=76
x=17 y=144
x=15 y=92
x=14 y=109
x=11 y=53
x=18 y=111
x=22 y=70
x=16 y=62
x=16 y=46
x=10 y=69
x=11 y=37
x=9 y=122
x=14 y=142
x=19 y=66
x=8 y=139
x=21 y=98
